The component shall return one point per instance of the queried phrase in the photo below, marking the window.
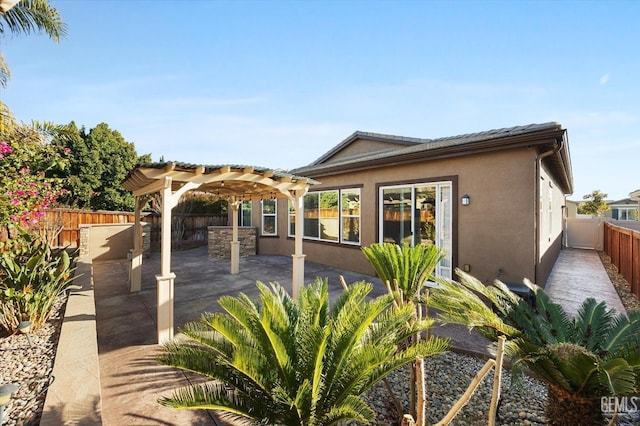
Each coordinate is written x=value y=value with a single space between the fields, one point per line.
x=627 y=213
x=244 y=214
x=350 y=214
x=330 y=216
x=269 y=223
x=418 y=214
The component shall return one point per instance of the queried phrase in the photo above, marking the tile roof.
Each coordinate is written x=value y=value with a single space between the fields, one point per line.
x=416 y=145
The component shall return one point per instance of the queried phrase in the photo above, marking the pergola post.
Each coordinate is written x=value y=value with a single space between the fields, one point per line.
x=235 y=244
x=297 y=279
x=165 y=281
x=135 y=267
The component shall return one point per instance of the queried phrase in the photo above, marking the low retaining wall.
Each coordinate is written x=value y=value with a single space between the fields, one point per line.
x=111 y=241
x=220 y=241
x=74 y=397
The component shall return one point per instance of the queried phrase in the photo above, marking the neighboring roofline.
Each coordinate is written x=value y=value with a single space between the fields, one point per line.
x=624 y=201
x=546 y=135
x=635 y=195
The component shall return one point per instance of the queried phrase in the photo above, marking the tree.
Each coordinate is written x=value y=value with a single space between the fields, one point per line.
x=295 y=362
x=26 y=16
x=594 y=355
x=101 y=161
x=28 y=164
x=595 y=205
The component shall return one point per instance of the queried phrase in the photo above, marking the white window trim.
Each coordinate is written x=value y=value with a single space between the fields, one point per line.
x=274 y=215
x=341 y=217
x=440 y=226
x=340 y=240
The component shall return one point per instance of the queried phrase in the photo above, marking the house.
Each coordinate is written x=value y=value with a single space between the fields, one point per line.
x=625 y=209
x=493 y=201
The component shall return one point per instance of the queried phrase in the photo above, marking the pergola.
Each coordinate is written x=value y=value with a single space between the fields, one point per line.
x=230 y=182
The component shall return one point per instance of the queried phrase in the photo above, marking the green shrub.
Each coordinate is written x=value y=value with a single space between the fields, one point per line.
x=32 y=276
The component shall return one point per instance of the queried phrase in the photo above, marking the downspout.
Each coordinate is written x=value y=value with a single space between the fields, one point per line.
x=557 y=147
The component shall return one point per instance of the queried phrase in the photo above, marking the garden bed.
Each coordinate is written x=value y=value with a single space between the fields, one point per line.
x=30 y=368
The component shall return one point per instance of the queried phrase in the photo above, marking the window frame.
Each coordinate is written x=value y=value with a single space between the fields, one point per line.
x=273 y=215
x=340 y=237
x=241 y=216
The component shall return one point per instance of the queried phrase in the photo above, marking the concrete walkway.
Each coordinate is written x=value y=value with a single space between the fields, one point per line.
x=577 y=275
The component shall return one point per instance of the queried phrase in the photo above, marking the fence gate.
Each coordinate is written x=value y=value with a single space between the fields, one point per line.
x=584 y=233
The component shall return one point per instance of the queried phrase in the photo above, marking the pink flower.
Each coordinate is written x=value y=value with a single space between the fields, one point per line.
x=15 y=201
x=5 y=148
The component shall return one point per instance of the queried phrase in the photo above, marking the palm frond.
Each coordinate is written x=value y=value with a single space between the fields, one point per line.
x=410 y=267
x=351 y=408
x=555 y=326
x=622 y=332
x=618 y=378
x=29 y=16
x=591 y=325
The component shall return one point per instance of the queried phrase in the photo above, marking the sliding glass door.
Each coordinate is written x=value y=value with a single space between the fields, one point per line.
x=418 y=214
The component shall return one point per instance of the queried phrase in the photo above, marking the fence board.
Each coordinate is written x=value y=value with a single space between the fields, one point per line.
x=61 y=227
x=622 y=245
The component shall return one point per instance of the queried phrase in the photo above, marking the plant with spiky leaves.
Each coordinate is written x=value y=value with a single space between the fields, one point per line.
x=406 y=270
x=295 y=362
x=582 y=359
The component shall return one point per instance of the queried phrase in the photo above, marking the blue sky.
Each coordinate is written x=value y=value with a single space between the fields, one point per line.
x=277 y=84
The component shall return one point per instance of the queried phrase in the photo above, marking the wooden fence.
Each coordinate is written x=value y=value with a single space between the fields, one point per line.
x=61 y=227
x=622 y=245
x=186 y=228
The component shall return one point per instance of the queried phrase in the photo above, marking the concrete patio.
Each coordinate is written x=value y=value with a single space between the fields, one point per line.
x=130 y=381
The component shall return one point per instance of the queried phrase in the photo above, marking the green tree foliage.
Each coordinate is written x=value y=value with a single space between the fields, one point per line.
x=28 y=164
x=295 y=362
x=194 y=202
x=581 y=359
x=102 y=158
x=595 y=205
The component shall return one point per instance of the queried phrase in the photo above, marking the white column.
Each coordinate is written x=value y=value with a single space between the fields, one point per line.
x=135 y=272
x=235 y=244
x=165 y=306
x=298 y=258
x=166 y=278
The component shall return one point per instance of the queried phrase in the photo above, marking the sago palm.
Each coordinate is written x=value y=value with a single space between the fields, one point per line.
x=582 y=359
x=406 y=270
x=295 y=362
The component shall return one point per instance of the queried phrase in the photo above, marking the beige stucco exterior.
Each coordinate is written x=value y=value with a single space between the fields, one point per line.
x=511 y=230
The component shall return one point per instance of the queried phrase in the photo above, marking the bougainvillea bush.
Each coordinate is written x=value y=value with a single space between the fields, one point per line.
x=27 y=163
x=32 y=275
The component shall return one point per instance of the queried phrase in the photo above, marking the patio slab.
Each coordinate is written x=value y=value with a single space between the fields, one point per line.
x=132 y=381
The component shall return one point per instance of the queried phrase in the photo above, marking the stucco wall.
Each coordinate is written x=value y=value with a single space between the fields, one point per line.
x=495 y=233
x=111 y=241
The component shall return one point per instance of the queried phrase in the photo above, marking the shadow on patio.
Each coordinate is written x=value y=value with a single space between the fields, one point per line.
x=131 y=380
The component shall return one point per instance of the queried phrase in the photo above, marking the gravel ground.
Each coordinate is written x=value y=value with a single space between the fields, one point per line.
x=30 y=368
x=629 y=300
x=448 y=376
